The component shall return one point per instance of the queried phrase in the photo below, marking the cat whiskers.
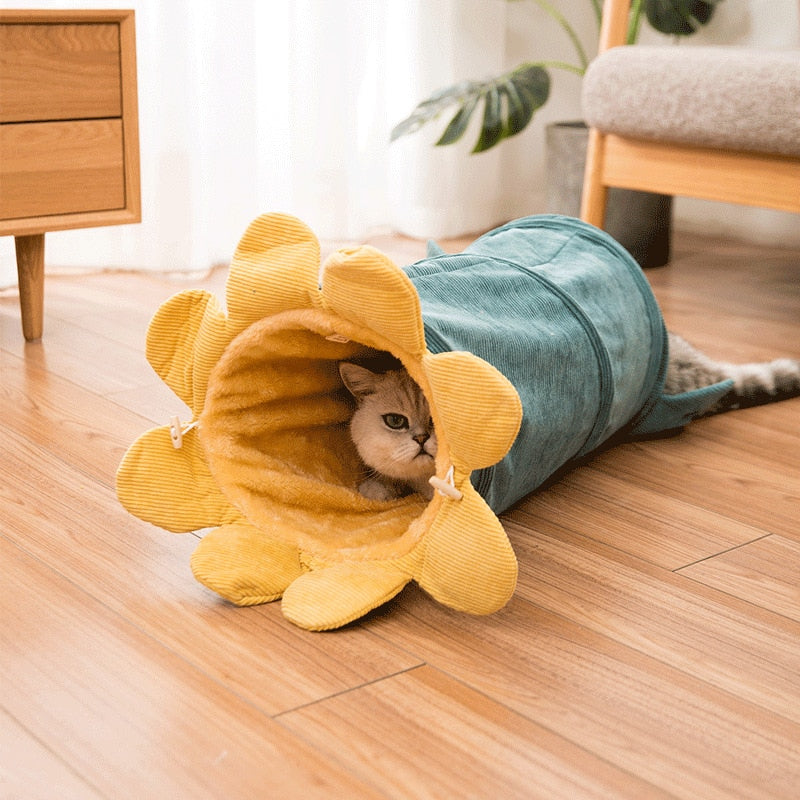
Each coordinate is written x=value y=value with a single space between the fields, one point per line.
x=369 y=472
x=406 y=454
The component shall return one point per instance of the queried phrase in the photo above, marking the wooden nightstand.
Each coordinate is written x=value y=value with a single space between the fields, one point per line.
x=69 y=135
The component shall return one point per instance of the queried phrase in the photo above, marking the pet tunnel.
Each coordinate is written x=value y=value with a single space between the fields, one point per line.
x=533 y=346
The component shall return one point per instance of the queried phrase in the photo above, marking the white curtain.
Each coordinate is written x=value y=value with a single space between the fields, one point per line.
x=248 y=106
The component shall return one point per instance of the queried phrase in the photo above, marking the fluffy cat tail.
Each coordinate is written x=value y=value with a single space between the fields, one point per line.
x=754 y=383
x=758 y=383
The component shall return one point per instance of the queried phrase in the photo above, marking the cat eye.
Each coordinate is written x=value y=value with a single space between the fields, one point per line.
x=395 y=421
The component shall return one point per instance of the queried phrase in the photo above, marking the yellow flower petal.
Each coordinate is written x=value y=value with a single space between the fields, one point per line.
x=171 y=488
x=338 y=594
x=365 y=287
x=242 y=564
x=172 y=339
x=469 y=563
x=212 y=340
x=275 y=268
x=477 y=408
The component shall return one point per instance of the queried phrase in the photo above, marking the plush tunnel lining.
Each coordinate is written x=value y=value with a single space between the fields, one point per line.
x=275 y=431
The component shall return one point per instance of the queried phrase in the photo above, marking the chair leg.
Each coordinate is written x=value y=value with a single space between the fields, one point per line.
x=595 y=193
x=30 y=269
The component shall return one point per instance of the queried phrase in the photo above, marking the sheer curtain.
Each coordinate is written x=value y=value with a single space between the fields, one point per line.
x=248 y=106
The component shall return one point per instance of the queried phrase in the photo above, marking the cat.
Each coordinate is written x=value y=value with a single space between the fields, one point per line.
x=753 y=383
x=392 y=430
x=395 y=438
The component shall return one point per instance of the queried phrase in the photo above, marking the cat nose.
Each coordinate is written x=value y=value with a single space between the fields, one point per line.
x=421 y=438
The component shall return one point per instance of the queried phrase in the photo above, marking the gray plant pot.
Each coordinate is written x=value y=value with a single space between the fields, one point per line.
x=640 y=221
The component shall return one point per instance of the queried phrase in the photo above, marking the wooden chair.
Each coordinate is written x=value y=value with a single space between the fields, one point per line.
x=712 y=122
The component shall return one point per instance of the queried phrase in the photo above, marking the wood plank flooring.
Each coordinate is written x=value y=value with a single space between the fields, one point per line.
x=652 y=649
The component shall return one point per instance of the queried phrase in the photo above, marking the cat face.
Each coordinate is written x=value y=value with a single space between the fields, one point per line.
x=391 y=427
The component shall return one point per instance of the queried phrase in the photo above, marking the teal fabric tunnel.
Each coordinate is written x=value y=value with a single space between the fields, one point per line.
x=566 y=314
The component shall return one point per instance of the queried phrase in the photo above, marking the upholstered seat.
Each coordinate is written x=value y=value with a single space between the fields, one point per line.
x=720 y=97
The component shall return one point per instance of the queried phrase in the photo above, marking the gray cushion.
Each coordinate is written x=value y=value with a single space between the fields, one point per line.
x=721 y=97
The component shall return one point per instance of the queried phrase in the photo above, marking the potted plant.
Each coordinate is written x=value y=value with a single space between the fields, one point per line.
x=510 y=101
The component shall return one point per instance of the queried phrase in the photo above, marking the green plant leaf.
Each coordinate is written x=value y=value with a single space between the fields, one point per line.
x=526 y=91
x=456 y=127
x=433 y=106
x=679 y=17
x=535 y=78
x=520 y=108
x=492 y=126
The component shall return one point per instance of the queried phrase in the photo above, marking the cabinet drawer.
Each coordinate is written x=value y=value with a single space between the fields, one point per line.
x=61 y=168
x=59 y=71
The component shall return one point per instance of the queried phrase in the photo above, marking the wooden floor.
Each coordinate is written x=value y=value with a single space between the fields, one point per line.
x=652 y=648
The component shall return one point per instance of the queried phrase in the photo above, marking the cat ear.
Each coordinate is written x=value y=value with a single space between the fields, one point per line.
x=358 y=380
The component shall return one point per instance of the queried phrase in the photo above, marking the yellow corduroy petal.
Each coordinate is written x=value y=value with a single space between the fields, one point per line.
x=477 y=408
x=275 y=268
x=469 y=564
x=172 y=339
x=338 y=594
x=171 y=488
x=185 y=339
x=365 y=287
x=244 y=565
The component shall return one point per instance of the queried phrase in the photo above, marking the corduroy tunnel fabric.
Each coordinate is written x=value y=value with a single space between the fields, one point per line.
x=566 y=314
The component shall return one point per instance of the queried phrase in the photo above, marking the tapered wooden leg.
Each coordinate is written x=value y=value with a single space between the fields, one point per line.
x=595 y=193
x=30 y=268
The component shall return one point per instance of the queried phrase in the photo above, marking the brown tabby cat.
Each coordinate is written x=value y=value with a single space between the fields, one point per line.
x=394 y=435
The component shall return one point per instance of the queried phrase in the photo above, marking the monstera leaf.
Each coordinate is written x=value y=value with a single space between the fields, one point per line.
x=509 y=103
x=679 y=17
